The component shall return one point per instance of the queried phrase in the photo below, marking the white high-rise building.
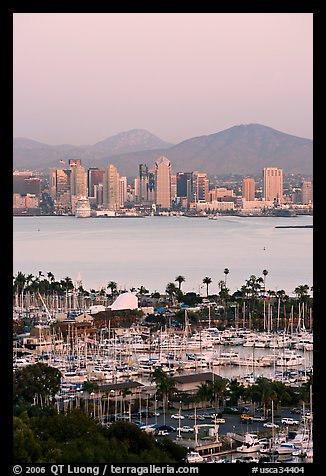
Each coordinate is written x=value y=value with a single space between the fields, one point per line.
x=273 y=184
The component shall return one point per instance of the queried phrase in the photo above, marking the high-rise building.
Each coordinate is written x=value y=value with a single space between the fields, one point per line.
x=95 y=177
x=151 y=186
x=273 y=184
x=200 y=187
x=78 y=179
x=111 y=188
x=163 y=183
x=184 y=188
x=122 y=191
x=248 y=189
x=307 y=192
x=62 y=187
x=18 y=179
x=143 y=182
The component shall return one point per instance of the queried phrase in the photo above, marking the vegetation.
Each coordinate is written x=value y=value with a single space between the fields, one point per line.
x=75 y=437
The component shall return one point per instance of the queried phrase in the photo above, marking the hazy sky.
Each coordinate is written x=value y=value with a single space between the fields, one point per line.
x=82 y=77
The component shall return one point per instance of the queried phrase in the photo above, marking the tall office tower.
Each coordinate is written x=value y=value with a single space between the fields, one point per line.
x=143 y=183
x=95 y=177
x=163 y=183
x=111 y=188
x=151 y=186
x=18 y=180
x=78 y=181
x=62 y=188
x=173 y=188
x=200 y=186
x=307 y=192
x=248 y=189
x=33 y=186
x=137 y=189
x=184 y=187
x=273 y=184
x=122 y=191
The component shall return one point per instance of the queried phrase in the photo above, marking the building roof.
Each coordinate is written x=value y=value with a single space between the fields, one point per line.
x=193 y=378
x=125 y=301
x=119 y=386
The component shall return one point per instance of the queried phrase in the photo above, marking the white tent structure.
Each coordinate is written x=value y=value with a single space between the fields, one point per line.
x=125 y=301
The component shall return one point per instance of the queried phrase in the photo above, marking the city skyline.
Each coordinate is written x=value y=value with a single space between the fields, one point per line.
x=153 y=71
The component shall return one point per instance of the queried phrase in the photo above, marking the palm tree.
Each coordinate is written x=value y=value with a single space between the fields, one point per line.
x=204 y=393
x=219 y=389
x=171 y=290
x=113 y=286
x=207 y=281
x=180 y=279
x=265 y=273
x=226 y=272
x=165 y=386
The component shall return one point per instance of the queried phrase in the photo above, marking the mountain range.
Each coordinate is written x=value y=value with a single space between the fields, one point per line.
x=241 y=149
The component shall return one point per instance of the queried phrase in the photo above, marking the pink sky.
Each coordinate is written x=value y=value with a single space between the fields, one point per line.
x=81 y=77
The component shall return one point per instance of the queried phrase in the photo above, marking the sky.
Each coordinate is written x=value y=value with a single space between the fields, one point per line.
x=79 y=78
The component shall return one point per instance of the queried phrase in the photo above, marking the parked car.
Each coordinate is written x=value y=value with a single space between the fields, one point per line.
x=218 y=420
x=162 y=433
x=177 y=416
x=261 y=419
x=186 y=429
x=270 y=425
x=296 y=411
x=289 y=421
x=246 y=417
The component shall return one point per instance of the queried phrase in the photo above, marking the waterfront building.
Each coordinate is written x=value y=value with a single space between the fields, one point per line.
x=60 y=187
x=143 y=183
x=307 y=192
x=200 y=187
x=163 y=183
x=78 y=179
x=273 y=184
x=111 y=188
x=19 y=184
x=136 y=189
x=173 y=188
x=184 y=188
x=122 y=191
x=94 y=177
x=220 y=192
x=248 y=188
x=151 y=186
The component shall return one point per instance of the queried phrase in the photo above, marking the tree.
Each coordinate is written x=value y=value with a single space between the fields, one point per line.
x=165 y=385
x=180 y=279
x=265 y=273
x=218 y=389
x=171 y=290
x=204 y=393
x=38 y=380
x=113 y=286
x=226 y=272
x=207 y=281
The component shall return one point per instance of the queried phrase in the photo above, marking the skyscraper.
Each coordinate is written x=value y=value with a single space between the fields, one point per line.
x=273 y=184
x=200 y=186
x=95 y=177
x=122 y=191
x=78 y=179
x=307 y=192
x=143 y=182
x=248 y=188
x=163 y=183
x=111 y=188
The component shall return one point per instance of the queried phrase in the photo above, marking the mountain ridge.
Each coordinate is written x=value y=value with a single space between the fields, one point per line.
x=242 y=149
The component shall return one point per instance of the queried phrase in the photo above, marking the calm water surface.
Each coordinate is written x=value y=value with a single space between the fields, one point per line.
x=152 y=251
